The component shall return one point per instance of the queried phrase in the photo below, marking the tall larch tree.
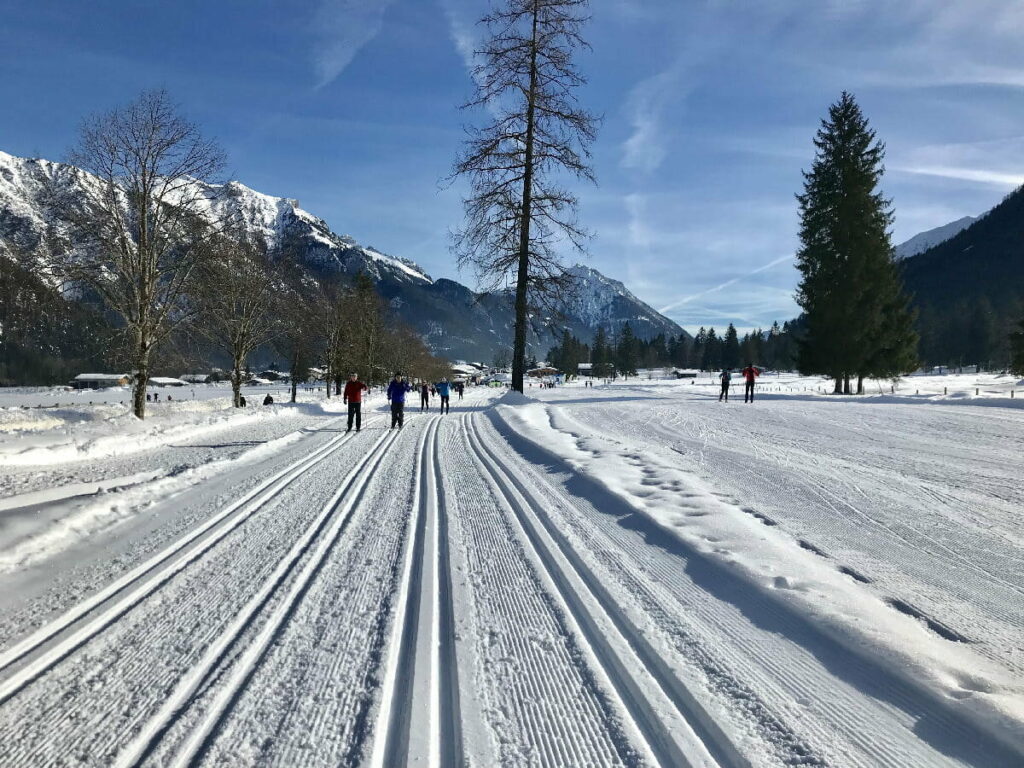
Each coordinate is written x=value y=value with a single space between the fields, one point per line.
x=517 y=214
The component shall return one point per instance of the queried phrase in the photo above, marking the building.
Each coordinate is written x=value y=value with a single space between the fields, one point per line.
x=166 y=381
x=685 y=373
x=100 y=380
x=539 y=373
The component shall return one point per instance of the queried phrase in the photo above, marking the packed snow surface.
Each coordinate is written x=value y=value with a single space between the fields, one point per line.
x=629 y=574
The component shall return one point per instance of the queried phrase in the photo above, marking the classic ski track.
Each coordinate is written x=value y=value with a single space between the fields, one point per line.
x=535 y=695
x=145 y=578
x=107 y=739
x=420 y=720
x=641 y=681
x=320 y=536
x=314 y=696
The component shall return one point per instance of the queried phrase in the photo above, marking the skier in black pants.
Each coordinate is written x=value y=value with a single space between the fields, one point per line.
x=750 y=373
x=726 y=379
x=354 y=389
x=444 y=389
x=396 y=396
x=424 y=397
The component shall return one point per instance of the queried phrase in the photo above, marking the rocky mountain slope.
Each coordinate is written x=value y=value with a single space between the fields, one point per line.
x=455 y=321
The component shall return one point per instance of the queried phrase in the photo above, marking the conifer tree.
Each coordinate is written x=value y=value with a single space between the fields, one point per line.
x=600 y=355
x=731 y=348
x=626 y=356
x=857 y=318
x=712 y=351
x=700 y=342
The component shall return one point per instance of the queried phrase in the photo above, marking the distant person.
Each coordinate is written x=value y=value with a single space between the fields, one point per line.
x=268 y=400
x=396 y=396
x=460 y=387
x=726 y=379
x=353 y=395
x=424 y=397
x=750 y=373
x=241 y=401
x=444 y=389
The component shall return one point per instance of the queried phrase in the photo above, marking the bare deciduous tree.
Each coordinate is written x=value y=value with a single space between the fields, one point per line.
x=517 y=214
x=139 y=229
x=236 y=290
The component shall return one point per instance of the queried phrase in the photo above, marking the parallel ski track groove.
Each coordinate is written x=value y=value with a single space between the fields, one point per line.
x=542 y=699
x=450 y=710
x=159 y=568
x=721 y=749
x=335 y=523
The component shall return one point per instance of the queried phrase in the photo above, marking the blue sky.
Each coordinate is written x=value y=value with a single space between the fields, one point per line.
x=708 y=109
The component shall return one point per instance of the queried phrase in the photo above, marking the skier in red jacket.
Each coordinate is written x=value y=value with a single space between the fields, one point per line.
x=353 y=395
x=750 y=373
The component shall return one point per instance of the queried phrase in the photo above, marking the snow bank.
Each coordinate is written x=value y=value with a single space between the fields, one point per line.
x=40 y=437
x=772 y=562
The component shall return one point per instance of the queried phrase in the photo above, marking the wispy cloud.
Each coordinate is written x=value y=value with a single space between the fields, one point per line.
x=647 y=146
x=722 y=286
x=462 y=29
x=343 y=27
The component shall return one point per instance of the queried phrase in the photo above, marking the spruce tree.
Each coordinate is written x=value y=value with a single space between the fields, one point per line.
x=600 y=355
x=700 y=343
x=712 y=351
x=731 y=348
x=627 y=352
x=857 y=320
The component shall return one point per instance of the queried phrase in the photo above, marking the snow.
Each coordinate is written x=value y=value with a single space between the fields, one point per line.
x=629 y=574
x=922 y=241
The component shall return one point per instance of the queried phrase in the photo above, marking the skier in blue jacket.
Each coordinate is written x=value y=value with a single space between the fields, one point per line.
x=396 y=396
x=444 y=389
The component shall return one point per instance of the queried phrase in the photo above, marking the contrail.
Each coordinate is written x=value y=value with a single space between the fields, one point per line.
x=726 y=284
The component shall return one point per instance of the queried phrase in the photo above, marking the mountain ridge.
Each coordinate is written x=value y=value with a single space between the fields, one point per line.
x=454 y=320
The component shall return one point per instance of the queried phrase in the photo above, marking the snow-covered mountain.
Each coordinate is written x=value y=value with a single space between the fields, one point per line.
x=922 y=241
x=453 y=319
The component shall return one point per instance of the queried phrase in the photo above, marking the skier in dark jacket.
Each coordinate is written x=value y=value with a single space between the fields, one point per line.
x=424 y=397
x=460 y=387
x=396 y=396
x=750 y=373
x=353 y=395
x=268 y=400
x=444 y=389
x=726 y=379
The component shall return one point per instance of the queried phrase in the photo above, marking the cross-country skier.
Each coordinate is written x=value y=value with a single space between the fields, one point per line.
x=750 y=373
x=396 y=396
x=353 y=395
x=425 y=397
x=460 y=387
x=726 y=379
x=444 y=389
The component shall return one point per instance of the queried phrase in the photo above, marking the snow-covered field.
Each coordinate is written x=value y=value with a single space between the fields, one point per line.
x=629 y=574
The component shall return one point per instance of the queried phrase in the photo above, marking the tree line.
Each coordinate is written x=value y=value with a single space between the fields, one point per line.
x=155 y=278
x=624 y=353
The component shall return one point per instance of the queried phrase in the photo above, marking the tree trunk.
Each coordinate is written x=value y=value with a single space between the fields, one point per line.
x=294 y=377
x=519 y=342
x=236 y=383
x=839 y=386
x=860 y=385
x=139 y=385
